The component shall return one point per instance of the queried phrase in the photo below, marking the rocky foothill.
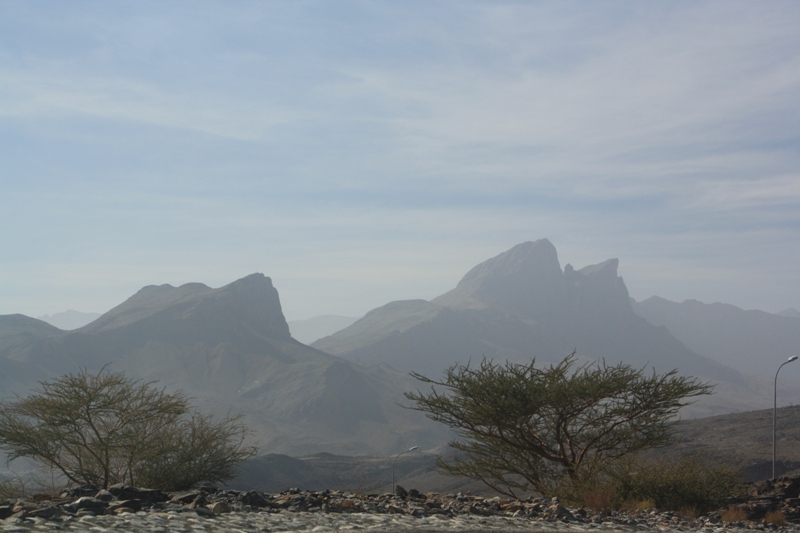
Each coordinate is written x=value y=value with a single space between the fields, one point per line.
x=91 y=508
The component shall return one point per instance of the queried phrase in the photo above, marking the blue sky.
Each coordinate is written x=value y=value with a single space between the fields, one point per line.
x=363 y=152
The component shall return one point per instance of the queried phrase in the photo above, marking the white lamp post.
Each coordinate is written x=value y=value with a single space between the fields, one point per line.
x=775 y=411
x=395 y=462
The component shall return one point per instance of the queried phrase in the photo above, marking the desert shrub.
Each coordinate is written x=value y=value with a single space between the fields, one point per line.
x=601 y=498
x=675 y=485
x=10 y=489
x=775 y=517
x=637 y=505
x=734 y=514
x=551 y=429
x=31 y=488
x=105 y=428
x=689 y=511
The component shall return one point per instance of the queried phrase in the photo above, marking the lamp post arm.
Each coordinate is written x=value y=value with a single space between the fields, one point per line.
x=775 y=411
x=395 y=462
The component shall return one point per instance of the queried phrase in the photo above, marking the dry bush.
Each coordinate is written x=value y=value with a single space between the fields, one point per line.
x=105 y=428
x=775 y=517
x=34 y=489
x=551 y=429
x=11 y=489
x=734 y=514
x=679 y=484
x=689 y=511
x=638 y=505
x=601 y=498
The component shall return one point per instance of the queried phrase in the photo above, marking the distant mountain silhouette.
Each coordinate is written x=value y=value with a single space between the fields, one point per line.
x=519 y=305
x=230 y=348
x=314 y=328
x=753 y=342
x=69 y=320
x=790 y=312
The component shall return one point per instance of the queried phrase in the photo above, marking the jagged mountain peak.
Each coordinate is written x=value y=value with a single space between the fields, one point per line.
x=256 y=281
x=599 y=285
x=605 y=269
x=527 y=281
x=522 y=280
x=528 y=258
x=252 y=302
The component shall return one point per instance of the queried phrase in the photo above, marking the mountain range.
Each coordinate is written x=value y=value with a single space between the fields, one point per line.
x=521 y=304
x=232 y=350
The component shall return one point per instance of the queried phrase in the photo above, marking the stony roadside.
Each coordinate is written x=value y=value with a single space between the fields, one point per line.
x=208 y=509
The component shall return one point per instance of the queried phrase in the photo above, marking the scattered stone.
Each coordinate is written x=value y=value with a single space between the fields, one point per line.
x=126 y=492
x=136 y=509
x=47 y=512
x=83 y=490
x=219 y=507
x=103 y=495
x=133 y=505
x=253 y=499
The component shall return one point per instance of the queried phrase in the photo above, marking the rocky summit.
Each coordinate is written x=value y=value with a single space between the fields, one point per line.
x=126 y=508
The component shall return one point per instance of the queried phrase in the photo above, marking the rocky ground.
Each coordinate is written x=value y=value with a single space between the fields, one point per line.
x=125 y=508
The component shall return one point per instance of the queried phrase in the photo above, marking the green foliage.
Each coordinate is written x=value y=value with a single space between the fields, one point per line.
x=105 y=428
x=551 y=429
x=688 y=482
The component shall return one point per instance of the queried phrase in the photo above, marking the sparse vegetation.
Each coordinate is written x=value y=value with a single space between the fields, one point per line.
x=637 y=505
x=676 y=485
x=775 y=517
x=10 y=489
x=104 y=428
x=555 y=430
x=733 y=514
x=601 y=498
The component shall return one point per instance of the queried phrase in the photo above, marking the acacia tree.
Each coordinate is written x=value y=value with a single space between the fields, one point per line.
x=524 y=427
x=105 y=428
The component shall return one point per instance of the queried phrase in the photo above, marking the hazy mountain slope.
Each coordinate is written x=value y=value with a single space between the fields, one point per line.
x=315 y=328
x=790 y=312
x=16 y=329
x=230 y=349
x=17 y=333
x=753 y=342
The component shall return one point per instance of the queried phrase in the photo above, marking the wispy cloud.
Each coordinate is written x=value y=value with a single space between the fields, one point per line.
x=218 y=139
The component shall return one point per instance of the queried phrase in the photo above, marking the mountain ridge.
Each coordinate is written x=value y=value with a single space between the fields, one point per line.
x=727 y=333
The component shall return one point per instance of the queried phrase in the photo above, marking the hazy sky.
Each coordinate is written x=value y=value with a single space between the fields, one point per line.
x=363 y=152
